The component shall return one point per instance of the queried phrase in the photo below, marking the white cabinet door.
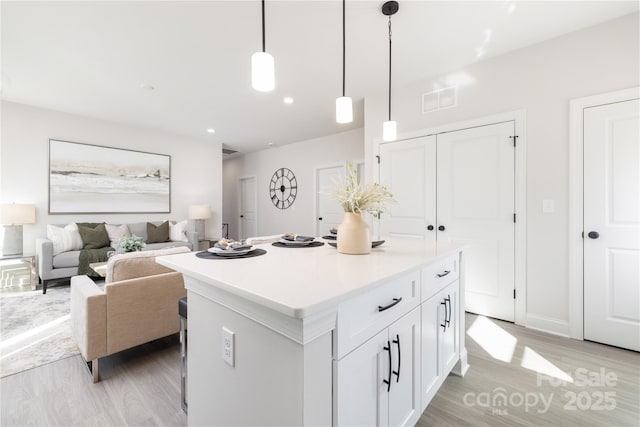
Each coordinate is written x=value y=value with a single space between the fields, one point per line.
x=408 y=169
x=612 y=210
x=360 y=394
x=476 y=207
x=404 y=396
x=432 y=316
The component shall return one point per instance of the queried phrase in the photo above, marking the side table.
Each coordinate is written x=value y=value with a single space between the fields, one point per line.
x=17 y=271
x=206 y=243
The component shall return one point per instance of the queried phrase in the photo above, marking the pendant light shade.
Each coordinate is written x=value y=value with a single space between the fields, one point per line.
x=344 y=110
x=263 y=75
x=389 y=132
x=344 y=105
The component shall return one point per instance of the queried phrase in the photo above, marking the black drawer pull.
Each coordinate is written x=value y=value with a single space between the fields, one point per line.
x=397 y=373
x=444 y=274
x=387 y=307
x=444 y=325
x=448 y=299
x=388 y=381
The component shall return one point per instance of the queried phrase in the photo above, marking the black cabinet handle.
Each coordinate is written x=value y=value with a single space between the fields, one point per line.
x=241 y=216
x=441 y=228
x=429 y=227
x=320 y=219
x=593 y=234
x=387 y=307
x=444 y=274
x=388 y=381
x=397 y=373
x=444 y=325
x=448 y=300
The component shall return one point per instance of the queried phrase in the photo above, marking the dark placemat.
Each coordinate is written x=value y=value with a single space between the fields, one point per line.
x=374 y=244
x=329 y=237
x=310 y=245
x=210 y=255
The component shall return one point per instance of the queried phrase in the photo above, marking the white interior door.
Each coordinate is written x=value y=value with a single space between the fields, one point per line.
x=612 y=224
x=329 y=213
x=408 y=169
x=475 y=176
x=248 y=211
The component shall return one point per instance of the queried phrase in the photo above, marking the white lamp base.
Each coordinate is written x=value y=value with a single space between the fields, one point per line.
x=12 y=240
x=199 y=228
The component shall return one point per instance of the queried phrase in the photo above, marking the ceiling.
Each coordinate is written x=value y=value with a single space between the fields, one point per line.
x=91 y=58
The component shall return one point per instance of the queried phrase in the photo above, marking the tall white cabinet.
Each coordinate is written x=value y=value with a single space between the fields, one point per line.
x=460 y=187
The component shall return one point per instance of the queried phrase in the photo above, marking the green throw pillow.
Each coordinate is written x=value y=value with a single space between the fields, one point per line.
x=158 y=233
x=94 y=236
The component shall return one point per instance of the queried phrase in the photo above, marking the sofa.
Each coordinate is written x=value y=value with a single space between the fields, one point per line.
x=138 y=304
x=65 y=264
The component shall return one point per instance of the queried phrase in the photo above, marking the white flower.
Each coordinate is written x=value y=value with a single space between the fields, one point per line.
x=358 y=198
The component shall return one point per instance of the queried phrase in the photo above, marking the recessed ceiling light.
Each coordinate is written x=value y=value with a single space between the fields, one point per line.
x=288 y=100
x=270 y=144
x=146 y=86
x=211 y=130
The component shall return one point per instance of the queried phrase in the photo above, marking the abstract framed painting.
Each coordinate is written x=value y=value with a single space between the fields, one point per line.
x=86 y=178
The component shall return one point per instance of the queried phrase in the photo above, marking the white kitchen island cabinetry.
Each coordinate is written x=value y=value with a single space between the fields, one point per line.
x=320 y=338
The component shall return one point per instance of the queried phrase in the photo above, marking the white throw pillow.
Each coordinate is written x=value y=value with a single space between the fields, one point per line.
x=177 y=231
x=65 y=238
x=117 y=232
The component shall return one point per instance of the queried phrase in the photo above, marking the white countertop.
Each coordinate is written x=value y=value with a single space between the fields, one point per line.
x=300 y=282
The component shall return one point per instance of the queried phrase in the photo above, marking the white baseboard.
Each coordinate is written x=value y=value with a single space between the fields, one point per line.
x=548 y=324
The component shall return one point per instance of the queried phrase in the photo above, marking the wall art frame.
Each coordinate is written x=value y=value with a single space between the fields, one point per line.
x=92 y=179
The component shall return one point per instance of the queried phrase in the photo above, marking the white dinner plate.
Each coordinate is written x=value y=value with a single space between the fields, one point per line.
x=229 y=252
x=296 y=243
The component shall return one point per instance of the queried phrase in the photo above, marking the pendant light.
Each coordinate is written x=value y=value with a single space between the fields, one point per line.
x=262 y=67
x=344 y=105
x=389 y=132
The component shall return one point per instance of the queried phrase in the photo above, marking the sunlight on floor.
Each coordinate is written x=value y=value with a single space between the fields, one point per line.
x=32 y=334
x=534 y=362
x=493 y=339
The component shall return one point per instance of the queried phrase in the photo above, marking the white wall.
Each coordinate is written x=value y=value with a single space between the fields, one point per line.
x=541 y=79
x=301 y=158
x=196 y=165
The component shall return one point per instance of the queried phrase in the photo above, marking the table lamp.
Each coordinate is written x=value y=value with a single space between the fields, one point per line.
x=199 y=213
x=12 y=217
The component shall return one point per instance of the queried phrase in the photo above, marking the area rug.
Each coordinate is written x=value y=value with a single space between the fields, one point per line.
x=35 y=329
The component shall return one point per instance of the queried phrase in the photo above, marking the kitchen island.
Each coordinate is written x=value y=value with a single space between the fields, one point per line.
x=308 y=336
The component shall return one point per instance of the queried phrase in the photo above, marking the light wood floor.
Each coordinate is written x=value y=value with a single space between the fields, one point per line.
x=141 y=387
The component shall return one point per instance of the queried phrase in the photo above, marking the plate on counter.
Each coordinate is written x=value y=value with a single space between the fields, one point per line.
x=329 y=237
x=229 y=252
x=296 y=242
x=374 y=244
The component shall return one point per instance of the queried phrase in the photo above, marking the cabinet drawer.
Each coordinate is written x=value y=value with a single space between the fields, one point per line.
x=439 y=274
x=362 y=317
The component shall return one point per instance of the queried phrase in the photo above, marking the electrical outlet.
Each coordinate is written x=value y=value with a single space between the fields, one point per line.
x=228 y=346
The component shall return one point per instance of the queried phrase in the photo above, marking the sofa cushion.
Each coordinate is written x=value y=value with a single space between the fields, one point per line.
x=66 y=259
x=165 y=245
x=65 y=238
x=117 y=232
x=93 y=237
x=157 y=233
x=138 y=264
x=138 y=229
x=177 y=231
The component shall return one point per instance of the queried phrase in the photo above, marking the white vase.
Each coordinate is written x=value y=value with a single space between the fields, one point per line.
x=353 y=235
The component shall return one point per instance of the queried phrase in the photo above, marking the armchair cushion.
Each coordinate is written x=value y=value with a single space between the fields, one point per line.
x=138 y=264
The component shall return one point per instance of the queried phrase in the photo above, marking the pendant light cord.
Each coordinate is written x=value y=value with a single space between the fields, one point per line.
x=343 y=47
x=389 y=67
x=263 y=38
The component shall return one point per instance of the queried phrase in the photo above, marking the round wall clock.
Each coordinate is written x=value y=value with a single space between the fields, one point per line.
x=283 y=188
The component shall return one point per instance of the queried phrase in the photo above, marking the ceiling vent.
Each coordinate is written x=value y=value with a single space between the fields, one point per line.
x=439 y=99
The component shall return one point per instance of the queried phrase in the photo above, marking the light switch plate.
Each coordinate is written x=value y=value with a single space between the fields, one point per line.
x=548 y=206
x=228 y=346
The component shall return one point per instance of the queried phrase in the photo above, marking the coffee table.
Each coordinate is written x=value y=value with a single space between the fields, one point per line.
x=100 y=268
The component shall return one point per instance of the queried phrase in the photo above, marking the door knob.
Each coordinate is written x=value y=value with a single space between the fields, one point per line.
x=241 y=216
x=429 y=227
x=320 y=219
x=593 y=234
x=441 y=227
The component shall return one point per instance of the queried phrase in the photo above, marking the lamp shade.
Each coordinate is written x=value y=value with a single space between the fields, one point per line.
x=263 y=75
x=13 y=213
x=344 y=109
x=199 y=212
x=389 y=132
